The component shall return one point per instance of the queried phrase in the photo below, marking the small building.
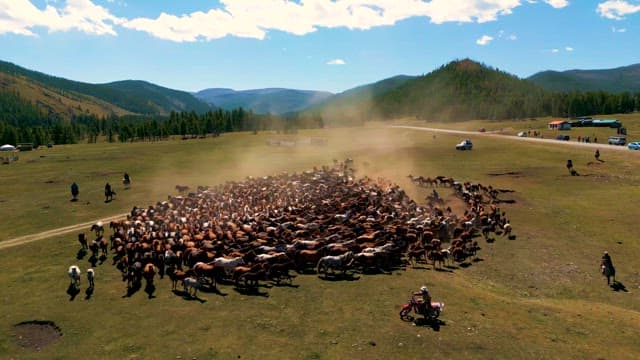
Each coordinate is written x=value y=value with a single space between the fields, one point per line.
x=25 y=147
x=559 y=125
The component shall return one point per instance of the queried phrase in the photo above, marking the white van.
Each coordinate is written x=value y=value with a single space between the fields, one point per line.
x=617 y=140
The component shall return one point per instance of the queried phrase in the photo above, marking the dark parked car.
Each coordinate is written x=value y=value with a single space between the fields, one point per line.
x=562 y=137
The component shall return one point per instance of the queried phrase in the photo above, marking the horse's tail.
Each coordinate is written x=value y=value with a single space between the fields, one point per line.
x=320 y=265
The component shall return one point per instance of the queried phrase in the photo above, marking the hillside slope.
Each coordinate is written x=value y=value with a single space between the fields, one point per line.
x=53 y=100
x=621 y=79
x=137 y=97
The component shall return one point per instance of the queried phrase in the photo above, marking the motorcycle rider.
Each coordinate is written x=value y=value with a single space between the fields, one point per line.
x=426 y=298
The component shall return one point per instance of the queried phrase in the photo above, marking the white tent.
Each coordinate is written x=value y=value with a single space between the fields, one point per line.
x=7 y=147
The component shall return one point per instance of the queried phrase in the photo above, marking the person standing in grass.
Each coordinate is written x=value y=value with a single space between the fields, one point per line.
x=75 y=191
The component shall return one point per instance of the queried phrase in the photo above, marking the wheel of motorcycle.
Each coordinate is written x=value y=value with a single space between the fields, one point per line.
x=404 y=313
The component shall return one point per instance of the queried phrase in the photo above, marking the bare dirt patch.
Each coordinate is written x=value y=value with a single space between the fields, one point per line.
x=36 y=334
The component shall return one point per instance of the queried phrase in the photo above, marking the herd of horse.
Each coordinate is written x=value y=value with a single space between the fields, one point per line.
x=324 y=221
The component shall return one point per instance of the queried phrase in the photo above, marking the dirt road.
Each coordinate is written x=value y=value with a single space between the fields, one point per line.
x=516 y=138
x=56 y=232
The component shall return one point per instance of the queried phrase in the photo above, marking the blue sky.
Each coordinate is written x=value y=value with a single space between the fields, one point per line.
x=330 y=45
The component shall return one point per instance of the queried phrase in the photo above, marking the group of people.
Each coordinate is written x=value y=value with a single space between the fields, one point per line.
x=108 y=190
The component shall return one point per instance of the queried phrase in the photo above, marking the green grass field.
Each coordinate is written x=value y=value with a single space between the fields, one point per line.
x=539 y=296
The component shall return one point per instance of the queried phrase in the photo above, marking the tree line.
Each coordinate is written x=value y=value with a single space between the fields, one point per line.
x=23 y=122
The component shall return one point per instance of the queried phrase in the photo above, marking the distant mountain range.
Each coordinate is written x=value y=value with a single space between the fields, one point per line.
x=626 y=78
x=263 y=101
x=459 y=90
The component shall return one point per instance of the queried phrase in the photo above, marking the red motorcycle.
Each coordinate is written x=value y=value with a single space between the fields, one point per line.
x=421 y=309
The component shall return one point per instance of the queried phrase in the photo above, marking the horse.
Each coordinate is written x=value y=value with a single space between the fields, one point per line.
x=108 y=194
x=82 y=239
x=74 y=275
x=227 y=264
x=191 y=283
x=149 y=272
x=98 y=228
x=176 y=275
x=213 y=272
x=340 y=262
x=182 y=188
x=90 y=276
x=252 y=278
x=609 y=271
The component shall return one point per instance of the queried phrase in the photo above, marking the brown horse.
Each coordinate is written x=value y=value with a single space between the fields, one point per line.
x=82 y=239
x=251 y=279
x=148 y=273
x=305 y=258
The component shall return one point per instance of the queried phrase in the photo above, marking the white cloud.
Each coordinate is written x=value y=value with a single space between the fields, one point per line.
x=336 y=62
x=21 y=16
x=254 y=18
x=249 y=18
x=554 y=50
x=568 y=48
x=558 y=4
x=616 y=9
x=484 y=40
x=614 y=29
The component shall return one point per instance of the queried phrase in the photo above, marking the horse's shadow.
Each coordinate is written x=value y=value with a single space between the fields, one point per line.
x=477 y=259
x=212 y=289
x=251 y=291
x=339 y=277
x=102 y=259
x=93 y=260
x=132 y=290
x=81 y=254
x=465 y=264
x=150 y=288
x=618 y=286
x=444 y=269
x=185 y=295
x=73 y=291
x=88 y=293
x=434 y=324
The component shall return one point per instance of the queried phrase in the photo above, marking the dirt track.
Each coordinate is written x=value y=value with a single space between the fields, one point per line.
x=55 y=232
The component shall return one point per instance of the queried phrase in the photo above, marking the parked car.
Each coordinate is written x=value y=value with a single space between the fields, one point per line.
x=522 y=134
x=617 y=140
x=465 y=145
x=634 y=145
x=482 y=130
x=562 y=137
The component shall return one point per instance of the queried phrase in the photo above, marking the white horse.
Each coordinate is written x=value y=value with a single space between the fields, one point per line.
x=339 y=262
x=90 y=277
x=74 y=275
x=227 y=264
x=191 y=283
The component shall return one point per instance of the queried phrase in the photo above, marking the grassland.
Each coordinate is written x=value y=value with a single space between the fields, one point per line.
x=537 y=297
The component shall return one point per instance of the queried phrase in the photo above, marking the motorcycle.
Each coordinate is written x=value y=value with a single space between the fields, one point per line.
x=421 y=309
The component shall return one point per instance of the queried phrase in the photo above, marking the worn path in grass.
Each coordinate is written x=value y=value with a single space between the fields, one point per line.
x=55 y=232
x=531 y=139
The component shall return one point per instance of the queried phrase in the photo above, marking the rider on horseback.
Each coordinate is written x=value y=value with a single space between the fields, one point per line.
x=606 y=260
x=426 y=298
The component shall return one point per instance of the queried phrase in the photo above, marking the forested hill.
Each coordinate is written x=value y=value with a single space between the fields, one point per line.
x=462 y=90
x=618 y=80
x=136 y=97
